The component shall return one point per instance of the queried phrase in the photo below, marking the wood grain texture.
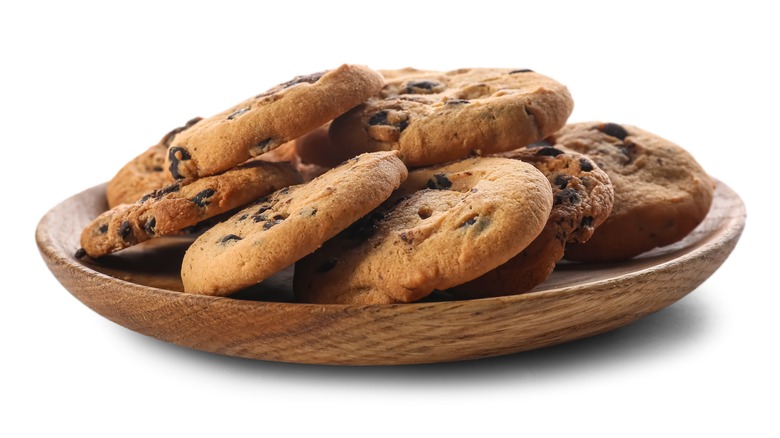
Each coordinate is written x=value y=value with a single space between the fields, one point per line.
x=139 y=288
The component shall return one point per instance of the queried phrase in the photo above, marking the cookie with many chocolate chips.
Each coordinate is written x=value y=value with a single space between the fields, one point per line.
x=582 y=201
x=268 y=120
x=444 y=226
x=183 y=204
x=661 y=192
x=276 y=231
x=144 y=173
x=433 y=117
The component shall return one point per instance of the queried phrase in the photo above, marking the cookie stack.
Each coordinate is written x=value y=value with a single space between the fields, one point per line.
x=382 y=187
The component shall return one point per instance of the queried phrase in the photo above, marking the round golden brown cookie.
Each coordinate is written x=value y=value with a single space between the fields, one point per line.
x=289 y=224
x=182 y=204
x=268 y=120
x=661 y=192
x=444 y=226
x=582 y=201
x=144 y=173
x=434 y=117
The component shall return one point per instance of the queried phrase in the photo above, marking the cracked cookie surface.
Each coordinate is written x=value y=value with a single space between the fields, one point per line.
x=274 y=232
x=268 y=120
x=445 y=225
x=434 y=117
x=182 y=204
x=661 y=192
x=582 y=201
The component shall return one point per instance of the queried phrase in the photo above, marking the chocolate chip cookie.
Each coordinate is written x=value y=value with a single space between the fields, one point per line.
x=268 y=120
x=433 y=117
x=582 y=201
x=445 y=225
x=287 y=225
x=145 y=173
x=182 y=204
x=661 y=192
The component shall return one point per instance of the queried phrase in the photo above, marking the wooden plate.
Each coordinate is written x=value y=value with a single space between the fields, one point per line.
x=140 y=289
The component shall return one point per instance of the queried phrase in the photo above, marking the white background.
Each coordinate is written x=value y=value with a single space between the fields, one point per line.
x=85 y=87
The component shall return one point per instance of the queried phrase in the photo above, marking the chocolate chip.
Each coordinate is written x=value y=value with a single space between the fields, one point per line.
x=439 y=182
x=149 y=226
x=103 y=229
x=379 y=118
x=176 y=155
x=421 y=87
x=259 y=218
x=243 y=217
x=365 y=226
x=402 y=125
x=585 y=165
x=522 y=70
x=201 y=198
x=586 y=221
x=166 y=141
x=629 y=151
x=567 y=196
x=80 y=253
x=469 y=222
x=228 y=238
x=238 y=113
x=157 y=169
x=327 y=265
x=548 y=151
x=272 y=223
x=309 y=79
x=457 y=102
x=125 y=231
x=613 y=130
x=264 y=146
x=562 y=181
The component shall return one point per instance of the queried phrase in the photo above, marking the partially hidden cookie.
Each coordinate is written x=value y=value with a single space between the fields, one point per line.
x=268 y=120
x=182 y=204
x=287 y=225
x=446 y=225
x=434 y=117
x=582 y=201
x=288 y=152
x=661 y=192
x=144 y=173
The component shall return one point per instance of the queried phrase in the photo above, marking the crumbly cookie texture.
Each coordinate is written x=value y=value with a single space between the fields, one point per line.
x=434 y=117
x=582 y=201
x=183 y=204
x=444 y=226
x=287 y=225
x=268 y=120
x=661 y=192
x=144 y=173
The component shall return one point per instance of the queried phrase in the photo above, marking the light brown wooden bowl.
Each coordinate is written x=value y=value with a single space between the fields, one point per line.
x=139 y=288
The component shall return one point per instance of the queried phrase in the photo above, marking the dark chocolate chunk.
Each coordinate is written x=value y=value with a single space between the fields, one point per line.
x=176 y=155
x=421 y=87
x=327 y=265
x=613 y=130
x=228 y=238
x=243 y=217
x=201 y=198
x=103 y=229
x=562 y=181
x=125 y=231
x=439 y=182
x=365 y=226
x=272 y=223
x=469 y=222
x=402 y=125
x=238 y=113
x=567 y=196
x=585 y=165
x=149 y=226
x=259 y=218
x=522 y=70
x=586 y=221
x=166 y=141
x=549 y=151
x=80 y=253
x=629 y=151
x=457 y=102
x=379 y=118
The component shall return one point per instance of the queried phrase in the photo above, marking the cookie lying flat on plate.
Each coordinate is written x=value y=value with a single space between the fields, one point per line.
x=661 y=192
x=582 y=200
x=183 y=204
x=444 y=226
x=434 y=117
x=289 y=224
x=268 y=120
x=144 y=173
